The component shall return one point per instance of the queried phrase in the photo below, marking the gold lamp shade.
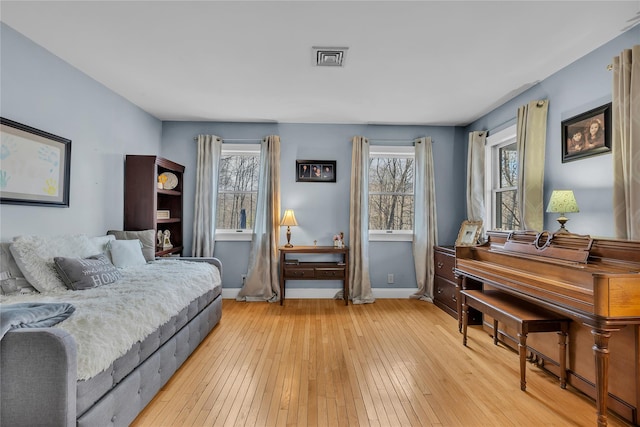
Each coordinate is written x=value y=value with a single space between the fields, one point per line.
x=289 y=219
x=562 y=202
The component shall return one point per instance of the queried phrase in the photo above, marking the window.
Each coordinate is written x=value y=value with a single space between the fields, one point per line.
x=391 y=179
x=501 y=181
x=237 y=191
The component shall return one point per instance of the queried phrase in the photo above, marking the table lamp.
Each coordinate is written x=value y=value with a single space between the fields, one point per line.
x=288 y=219
x=562 y=202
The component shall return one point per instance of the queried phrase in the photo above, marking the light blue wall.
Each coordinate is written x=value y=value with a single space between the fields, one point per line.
x=579 y=87
x=322 y=209
x=40 y=90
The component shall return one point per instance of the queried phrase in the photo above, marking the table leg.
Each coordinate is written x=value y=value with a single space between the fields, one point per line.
x=601 y=352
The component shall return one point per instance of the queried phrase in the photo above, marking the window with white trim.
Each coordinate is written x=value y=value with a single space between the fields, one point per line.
x=237 y=191
x=391 y=192
x=501 y=176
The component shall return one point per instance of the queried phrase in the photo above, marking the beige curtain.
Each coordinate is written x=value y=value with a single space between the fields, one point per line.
x=262 y=282
x=204 y=211
x=531 y=140
x=425 y=227
x=626 y=143
x=475 y=176
x=359 y=280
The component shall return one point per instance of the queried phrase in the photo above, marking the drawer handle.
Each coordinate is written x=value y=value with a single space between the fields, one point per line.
x=453 y=297
x=440 y=264
x=439 y=291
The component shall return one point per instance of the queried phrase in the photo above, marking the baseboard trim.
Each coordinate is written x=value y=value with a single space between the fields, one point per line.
x=329 y=293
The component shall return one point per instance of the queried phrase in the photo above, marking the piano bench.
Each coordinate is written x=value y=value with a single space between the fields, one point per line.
x=521 y=315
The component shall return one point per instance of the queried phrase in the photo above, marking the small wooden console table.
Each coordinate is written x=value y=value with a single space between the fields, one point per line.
x=293 y=270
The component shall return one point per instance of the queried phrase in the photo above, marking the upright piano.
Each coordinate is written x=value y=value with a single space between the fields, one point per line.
x=593 y=281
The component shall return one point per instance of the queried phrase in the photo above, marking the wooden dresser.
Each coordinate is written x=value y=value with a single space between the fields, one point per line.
x=446 y=292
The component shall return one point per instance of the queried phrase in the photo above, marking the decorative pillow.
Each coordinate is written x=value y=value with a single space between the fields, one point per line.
x=126 y=253
x=34 y=256
x=147 y=237
x=85 y=273
x=12 y=280
x=102 y=243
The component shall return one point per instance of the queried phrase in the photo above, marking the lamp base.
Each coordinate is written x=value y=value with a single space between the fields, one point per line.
x=288 y=245
x=562 y=230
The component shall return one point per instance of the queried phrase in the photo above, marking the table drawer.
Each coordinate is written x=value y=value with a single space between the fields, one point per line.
x=444 y=265
x=445 y=292
x=330 y=273
x=299 y=273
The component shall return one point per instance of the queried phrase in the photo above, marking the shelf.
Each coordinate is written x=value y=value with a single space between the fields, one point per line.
x=169 y=192
x=168 y=221
x=173 y=250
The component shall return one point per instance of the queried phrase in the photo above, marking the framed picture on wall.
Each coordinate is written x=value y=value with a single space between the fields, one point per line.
x=36 y=166
x=587 y=134
x=315 y=171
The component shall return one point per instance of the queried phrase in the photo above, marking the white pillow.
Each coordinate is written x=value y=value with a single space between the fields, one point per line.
x=102 y=244
x=34 y=256
x=126 y=253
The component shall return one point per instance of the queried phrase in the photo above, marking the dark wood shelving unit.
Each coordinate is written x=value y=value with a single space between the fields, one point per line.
x=143 y=199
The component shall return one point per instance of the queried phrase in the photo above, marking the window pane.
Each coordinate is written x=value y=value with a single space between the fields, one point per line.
x=236 y=210
x=390 y=212
x=508 y=166
x=239 y=173
x=391 y=175
x=507 y=214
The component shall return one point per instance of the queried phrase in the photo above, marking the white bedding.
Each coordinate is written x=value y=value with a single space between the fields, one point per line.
x=108 y=320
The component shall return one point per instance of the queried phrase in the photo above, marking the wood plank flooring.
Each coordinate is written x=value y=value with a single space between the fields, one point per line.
x=397 y=362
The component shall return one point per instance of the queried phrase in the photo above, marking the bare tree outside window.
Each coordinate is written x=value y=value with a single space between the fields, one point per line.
x=237 y=191
x=507 y=210
x=391 y=198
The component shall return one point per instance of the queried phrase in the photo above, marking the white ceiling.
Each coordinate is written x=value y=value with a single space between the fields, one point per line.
x=414 y=62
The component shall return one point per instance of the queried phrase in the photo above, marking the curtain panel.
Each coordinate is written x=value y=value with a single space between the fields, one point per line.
x=204 y=211
x=475 y=177
x=425 y=224
x=531 y=140
x=626 y=143
x=359 y=280
x=262 y=282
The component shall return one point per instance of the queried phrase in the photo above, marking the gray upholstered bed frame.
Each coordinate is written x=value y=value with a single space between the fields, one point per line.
x=38 y=371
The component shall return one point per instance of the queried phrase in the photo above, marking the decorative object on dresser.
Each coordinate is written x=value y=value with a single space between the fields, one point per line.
x=289 y=219
x=36 y=166
x=469 y=233
x=562 y=202
x=446 y=290
x=144 y=200
x=291 y=269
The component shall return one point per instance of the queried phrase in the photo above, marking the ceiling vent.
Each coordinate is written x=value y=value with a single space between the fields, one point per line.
x=329 y=56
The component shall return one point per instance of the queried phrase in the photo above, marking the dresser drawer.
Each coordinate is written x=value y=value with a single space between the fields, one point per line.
x=444 y=265
x=445 y=292
x=330 y=273
x=299 y=273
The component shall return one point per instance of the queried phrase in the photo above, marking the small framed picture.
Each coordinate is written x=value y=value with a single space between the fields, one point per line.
x=36 y=166
x=469 y=233
x=315 y=171
x=587 y=134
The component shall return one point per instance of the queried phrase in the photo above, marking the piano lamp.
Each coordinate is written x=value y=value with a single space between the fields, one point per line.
x=562 y=202
x=288 y=219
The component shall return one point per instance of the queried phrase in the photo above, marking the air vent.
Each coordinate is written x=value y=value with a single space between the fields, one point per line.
x=329 y=56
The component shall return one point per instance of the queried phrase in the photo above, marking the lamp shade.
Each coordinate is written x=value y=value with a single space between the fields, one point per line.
x=288 y=218
x=562 y=201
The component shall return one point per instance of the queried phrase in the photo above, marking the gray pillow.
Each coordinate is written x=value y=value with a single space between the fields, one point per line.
x=85 y=273
x=146 y=237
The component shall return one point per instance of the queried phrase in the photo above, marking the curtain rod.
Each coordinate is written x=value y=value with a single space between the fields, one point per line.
x=394 y=140
x=235 y=140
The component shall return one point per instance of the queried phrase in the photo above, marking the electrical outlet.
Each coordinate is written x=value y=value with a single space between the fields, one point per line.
x=389 y=278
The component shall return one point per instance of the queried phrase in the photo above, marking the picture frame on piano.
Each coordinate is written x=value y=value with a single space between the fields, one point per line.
x=469 y=233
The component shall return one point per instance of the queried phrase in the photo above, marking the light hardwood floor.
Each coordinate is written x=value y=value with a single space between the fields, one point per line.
x=391 y=363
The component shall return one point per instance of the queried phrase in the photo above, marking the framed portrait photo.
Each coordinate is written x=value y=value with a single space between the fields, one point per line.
x=469 y=233
x=587 y=134
x=35 y=166
x=315 y=171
